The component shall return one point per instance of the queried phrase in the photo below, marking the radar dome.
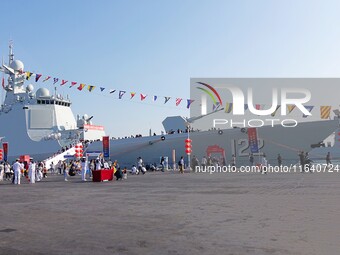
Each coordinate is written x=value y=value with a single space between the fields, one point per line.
x=85 y=117
x=29 y=88
x=42 y=92
x=17 y=65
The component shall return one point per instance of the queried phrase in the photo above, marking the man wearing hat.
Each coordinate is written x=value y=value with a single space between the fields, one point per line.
x=31 y=171
x=17 y=167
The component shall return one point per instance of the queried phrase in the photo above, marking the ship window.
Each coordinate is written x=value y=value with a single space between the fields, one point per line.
x=47 y=101
x=39 y=102
x=43 y=101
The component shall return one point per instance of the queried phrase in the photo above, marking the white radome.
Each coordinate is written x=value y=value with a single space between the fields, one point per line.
x=42 y=92
x=29 y=88
x=17 y=65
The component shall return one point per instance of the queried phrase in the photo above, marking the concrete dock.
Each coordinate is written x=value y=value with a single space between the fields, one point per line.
x=171 y=213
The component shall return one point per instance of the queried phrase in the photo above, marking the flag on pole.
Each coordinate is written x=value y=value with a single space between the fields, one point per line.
x=154 y=98
x=178 y=101
x=102 y=89
x=63 y=82
x=55 y=80
x=166 y=99
x=132 y=94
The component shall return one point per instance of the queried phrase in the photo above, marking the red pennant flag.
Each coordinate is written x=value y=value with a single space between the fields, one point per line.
x=178 y=101
x=142 y=97
x=63 y=82
x=47 y=78
x=72 y=84
x=3 y=82
x=132 y=94
x=81 y=86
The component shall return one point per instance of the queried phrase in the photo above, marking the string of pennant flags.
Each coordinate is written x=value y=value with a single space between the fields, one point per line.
x=90 y=88
x=325 y=111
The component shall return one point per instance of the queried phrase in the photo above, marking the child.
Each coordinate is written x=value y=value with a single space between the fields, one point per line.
x=124 y=173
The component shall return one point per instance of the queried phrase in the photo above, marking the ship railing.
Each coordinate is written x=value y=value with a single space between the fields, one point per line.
x=60 y=157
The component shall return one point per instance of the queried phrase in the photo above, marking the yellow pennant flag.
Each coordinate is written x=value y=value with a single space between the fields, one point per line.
x=28 y=75
x=90 y=87
x=325 y=111
x=290 y=107
x=228 y=107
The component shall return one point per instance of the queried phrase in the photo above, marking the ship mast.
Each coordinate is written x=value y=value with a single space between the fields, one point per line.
x=11 y=54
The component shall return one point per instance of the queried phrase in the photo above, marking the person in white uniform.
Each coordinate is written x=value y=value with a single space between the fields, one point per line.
x=83 y=169
x=31 y=171
x=17 y=167
x=2 y=171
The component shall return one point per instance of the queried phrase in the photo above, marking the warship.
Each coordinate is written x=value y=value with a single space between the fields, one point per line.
x=40 y=123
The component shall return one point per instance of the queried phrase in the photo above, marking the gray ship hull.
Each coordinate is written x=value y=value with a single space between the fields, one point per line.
x=272 y=140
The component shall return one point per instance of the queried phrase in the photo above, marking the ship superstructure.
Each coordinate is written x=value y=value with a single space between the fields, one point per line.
x=37 y=123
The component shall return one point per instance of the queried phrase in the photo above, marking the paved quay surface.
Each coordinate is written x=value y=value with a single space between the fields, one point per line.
x=170 y=213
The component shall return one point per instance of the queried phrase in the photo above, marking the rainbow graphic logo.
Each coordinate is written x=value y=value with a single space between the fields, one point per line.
x=212 y=93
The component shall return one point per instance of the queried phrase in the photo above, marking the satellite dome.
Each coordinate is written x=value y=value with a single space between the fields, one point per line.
x=29 y=88
x=42 y=92
x=17 y=65
x=85 y=117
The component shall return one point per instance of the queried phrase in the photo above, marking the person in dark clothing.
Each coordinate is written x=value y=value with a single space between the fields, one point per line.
x=279 y=160
x=119 y=174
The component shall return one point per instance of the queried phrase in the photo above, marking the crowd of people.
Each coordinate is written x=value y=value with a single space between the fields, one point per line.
x=36 y=171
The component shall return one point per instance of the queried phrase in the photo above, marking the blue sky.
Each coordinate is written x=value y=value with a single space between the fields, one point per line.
x=154 y=47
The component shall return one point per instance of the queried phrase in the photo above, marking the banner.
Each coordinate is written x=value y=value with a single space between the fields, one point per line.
x=106 y=146
x=5 y=147
x=252 y=137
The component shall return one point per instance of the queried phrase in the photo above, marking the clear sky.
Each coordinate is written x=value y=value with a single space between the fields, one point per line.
x=154 y=47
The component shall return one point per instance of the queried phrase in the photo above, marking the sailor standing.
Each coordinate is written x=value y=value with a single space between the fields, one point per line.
x=2 y=168
x=17 y=167
x=83 y=169
x=31 y=171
